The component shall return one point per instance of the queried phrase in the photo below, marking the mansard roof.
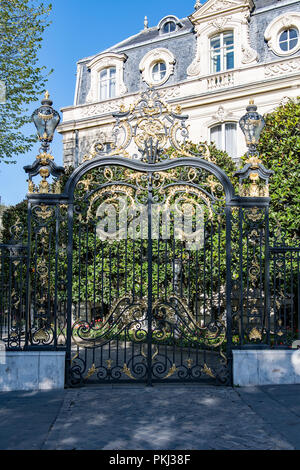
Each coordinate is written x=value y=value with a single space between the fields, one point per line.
x=147 y=36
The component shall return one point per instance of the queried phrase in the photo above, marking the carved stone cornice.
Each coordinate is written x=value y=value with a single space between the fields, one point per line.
x=282 y=68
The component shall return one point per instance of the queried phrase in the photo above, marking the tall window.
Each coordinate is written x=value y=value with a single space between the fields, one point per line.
x=225 y=137
x=222 y=52
x=159 y=71
x=108 y=83
x=288 y=39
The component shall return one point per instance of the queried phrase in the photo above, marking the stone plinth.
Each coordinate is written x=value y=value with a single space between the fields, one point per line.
x=266 y=367
x=32 y=370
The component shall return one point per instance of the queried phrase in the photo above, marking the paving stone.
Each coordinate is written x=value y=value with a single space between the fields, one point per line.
x=157 y=418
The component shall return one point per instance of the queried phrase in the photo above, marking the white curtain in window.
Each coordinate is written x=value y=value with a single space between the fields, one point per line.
x=230 y=139
x=108 y=83
x=224 y=136
x=216 y=136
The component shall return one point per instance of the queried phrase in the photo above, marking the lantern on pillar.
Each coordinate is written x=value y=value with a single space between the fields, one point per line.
x=46 y=120
x=252 y=124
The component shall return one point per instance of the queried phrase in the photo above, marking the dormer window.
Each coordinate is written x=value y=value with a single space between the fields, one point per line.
x=222 y=52
x=169 y=24
x=108 y=83
x=169 y=27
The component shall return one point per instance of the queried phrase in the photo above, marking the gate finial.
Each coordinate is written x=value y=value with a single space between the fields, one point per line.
x=46 y=120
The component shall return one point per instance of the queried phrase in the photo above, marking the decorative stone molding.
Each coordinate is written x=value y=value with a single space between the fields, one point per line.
x=220 y=22
x=103 y=61
x=221 y=116
x=282 y=68
x=249 y=55
x=275 y=28
x=170 y=93
x=285 y=100
x=215 y=17
x=150 y=59
x=222 y=5
x=101 y=108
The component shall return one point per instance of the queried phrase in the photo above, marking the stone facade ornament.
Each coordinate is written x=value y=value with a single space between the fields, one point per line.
x=222 y=115
x=285 y=100
x=282 y=68
x=220 y=23
x=150 y=59
x=222 y=5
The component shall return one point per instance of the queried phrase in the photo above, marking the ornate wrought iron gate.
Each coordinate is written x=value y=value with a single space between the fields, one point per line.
x=147 y=267
x=150 y=299
x=151 y=286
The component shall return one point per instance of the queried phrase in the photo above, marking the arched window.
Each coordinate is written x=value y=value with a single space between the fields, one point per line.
x=108 y=83
x=225 y=137
x=288 y=39
x=159 y=71
x=222 y=52
x=169 y=27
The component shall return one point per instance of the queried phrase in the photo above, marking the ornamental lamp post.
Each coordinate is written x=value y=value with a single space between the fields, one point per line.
x=46 y=120
x=252 y=124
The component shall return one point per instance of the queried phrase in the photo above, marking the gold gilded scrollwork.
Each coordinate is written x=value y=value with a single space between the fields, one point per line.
x=91 y=372
x=188 y=193
x=126 y=370
x=255 y=335
x=171 y=372
x=151 y=125
x=207 y=370
x=114 y=192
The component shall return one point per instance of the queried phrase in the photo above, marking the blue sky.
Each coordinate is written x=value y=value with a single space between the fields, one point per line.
x=80 y=29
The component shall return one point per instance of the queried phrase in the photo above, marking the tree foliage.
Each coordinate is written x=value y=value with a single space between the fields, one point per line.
x=22 y=24
x=279 y=149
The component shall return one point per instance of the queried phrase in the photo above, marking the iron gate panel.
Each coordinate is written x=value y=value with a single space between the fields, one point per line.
x=147 y=308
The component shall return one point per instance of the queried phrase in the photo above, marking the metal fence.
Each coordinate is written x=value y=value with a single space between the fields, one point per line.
x=284 y=295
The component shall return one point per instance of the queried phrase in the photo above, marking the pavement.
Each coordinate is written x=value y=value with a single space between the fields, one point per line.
x=164 y=417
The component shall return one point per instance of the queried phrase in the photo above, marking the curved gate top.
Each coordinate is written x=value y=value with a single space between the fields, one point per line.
x=131 y=268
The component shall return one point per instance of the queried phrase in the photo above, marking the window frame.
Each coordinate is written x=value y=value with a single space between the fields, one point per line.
x=158 y=63
x=223 y=135
x=108 y=81
x=167 y=23
x=222 y=52
x=288 y=40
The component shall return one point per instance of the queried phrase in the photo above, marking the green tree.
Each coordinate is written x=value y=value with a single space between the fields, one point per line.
x=22 y=24
x=279 y=149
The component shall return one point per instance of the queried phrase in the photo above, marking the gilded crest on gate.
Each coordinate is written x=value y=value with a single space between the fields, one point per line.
x=147 y=128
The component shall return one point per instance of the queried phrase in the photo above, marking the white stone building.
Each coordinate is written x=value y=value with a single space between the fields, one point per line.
x=211 y=64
